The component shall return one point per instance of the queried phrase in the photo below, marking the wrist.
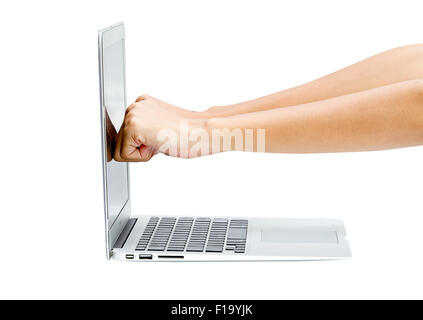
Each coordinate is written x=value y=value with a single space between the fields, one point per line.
x=195 y=137
x=214 y=112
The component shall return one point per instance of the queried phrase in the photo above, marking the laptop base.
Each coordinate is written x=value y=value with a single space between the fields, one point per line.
x=267 y=239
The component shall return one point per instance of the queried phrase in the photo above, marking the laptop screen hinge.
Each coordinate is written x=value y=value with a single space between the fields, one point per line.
x=121 y=240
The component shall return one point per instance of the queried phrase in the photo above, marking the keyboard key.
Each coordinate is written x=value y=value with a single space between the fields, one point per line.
x=237 y=235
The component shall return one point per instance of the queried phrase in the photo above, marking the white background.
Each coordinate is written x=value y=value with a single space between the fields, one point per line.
x=195 y=54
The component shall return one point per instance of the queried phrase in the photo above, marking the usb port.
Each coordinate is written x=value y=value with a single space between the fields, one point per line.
x=130 y=256
x=146 y=256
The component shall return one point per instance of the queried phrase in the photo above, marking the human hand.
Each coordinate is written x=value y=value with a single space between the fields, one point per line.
x=148 y=122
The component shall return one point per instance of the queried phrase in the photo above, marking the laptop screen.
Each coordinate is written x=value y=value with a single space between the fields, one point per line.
x=114 y=101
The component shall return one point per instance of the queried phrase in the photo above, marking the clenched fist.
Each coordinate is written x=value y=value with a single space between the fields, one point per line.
x=147 y=123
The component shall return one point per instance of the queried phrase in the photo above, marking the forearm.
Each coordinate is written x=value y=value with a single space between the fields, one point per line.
x=396 y=65
x=381 y=118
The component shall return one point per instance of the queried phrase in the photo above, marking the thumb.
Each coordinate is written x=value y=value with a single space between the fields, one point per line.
x=134 y=149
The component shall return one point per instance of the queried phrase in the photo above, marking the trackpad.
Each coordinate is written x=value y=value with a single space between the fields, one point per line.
x=298 y=236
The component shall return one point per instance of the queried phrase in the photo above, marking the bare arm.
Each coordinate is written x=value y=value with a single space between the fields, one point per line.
x=375 y=119
x=396 y=65
x=387 y=117
x=389 y=67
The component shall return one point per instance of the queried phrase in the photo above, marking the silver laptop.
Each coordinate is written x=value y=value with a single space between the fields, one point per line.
x=147 y=237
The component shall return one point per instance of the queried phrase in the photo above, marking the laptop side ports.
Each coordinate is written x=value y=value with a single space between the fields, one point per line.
x=145 y=257
x=129 y=257
x=169 y=257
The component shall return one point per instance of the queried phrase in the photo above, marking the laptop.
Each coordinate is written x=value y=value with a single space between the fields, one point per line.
x=149 y=237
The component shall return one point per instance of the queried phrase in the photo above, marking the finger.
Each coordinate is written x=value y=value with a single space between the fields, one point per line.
x=141 y=154
x=144 y=158
x=131 y=146
x=146 y=153
x=134 y=105
x=134 y=149
x=143 y=97
x=130 y=108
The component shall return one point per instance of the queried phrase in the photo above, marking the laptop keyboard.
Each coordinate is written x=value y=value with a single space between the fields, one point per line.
x=187 y=234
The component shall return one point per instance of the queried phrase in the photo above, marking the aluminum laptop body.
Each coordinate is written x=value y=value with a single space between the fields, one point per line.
x=169 y=238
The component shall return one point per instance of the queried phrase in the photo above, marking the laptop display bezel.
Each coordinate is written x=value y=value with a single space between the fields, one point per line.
x=107 y=37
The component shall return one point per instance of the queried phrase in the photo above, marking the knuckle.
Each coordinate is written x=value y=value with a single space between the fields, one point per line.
x=131 y=108
x=130 y=122
x=130 y=114
x=142 y=97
